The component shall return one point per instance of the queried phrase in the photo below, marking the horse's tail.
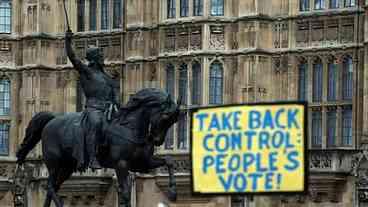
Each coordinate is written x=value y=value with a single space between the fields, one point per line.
x=33 y=134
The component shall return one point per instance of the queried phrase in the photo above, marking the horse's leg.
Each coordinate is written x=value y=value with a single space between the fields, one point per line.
x=122 y=174
x=64 y=174
x=48 y=197
x=155 y=162
x=51 y=193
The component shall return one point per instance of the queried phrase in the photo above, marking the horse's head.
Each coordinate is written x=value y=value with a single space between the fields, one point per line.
x=161 y=120
x=159 y=112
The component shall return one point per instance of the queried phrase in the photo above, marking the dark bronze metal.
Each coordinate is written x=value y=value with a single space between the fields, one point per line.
x=124 y=137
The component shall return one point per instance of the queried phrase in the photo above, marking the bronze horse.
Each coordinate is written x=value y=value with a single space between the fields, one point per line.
x=131 y=137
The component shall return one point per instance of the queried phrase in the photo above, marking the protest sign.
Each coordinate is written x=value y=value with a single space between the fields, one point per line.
x=257 y=148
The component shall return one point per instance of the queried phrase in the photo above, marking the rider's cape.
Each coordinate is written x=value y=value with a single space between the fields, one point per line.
x=81 y=137
x=78 y=141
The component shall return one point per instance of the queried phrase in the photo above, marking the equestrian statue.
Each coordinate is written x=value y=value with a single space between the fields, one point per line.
x=104 y=134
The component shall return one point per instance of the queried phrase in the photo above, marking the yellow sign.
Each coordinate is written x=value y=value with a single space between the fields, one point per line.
x=256 y=148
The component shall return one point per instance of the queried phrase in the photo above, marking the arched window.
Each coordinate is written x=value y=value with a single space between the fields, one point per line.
x=170 y=88
x=347 y=129
x=197 y=7
x=170 y=80
x=92 y=15
x=347 y=79
x=4 y=97
x=316 y=129
x=317 y=80
x=332 y=80
x=217 y=7
x=5 y=16
x=117 y=9
x=105 y=14
x=183 y=94
x=4 y=138
x=303 y=5
x=80 y=13
x=303 y=80
x=4 y=111
x=184 y=8
x=349 y=3
x=182 y=132
x=196 y=86
x=171 y=9
x=183 y=83
x=334 y=4
x=331 y=128
x=216 y=83
x=319 y=4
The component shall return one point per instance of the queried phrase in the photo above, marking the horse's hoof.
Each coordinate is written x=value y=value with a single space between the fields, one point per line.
x=172 y=195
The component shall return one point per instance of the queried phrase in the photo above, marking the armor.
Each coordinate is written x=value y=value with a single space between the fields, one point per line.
x=100 y=92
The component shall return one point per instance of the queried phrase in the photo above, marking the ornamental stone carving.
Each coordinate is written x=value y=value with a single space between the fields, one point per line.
x=217 y=39
x=196 y=38
x=302 y=34
x=169 y=40
x=5 y=58
x=183 y=39
x=320 y=161
x=21 y=180
x=181 y=165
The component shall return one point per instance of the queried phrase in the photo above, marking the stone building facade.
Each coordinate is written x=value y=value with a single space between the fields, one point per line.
x=210 y=52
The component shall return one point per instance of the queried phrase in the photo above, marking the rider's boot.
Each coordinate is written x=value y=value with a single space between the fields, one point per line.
x=94 y=164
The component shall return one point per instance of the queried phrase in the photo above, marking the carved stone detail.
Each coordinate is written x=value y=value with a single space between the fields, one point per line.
x=115 y=53
x=196 y=38
x=153 y=71
x=326 y=188
x=302 y=34
x=276 y=35
x=332 y=31
x=217 y=38
x=320 y=161
x=317 y=34
x=347 y=30
x=6 y=170
x=183 y=39
x=21 y=180
x=5 y=58
x=181 y=165
x=169 y=40
x=284 y=35
x=293 y=199
x=114 y=72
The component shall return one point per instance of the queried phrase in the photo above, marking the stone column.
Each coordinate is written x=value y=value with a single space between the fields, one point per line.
x=364 y=137
x=324 y=128
x=177 y=9
x=292 y=79
x=310 y=79
x=206 y=36
x=324 y=78
x=338 y=126
x=86 y=15
x=206 y=8
x=98 y=17
x=205 y=81
x=191 y=6
x=14 y=138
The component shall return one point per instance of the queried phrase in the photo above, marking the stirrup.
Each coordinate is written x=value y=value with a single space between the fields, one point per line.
x=94 y=164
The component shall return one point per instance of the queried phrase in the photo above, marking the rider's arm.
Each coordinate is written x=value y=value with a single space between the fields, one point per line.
x=70 y=53
x=116 y=90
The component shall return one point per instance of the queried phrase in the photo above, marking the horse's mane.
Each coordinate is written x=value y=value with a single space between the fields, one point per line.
x=147 y=97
